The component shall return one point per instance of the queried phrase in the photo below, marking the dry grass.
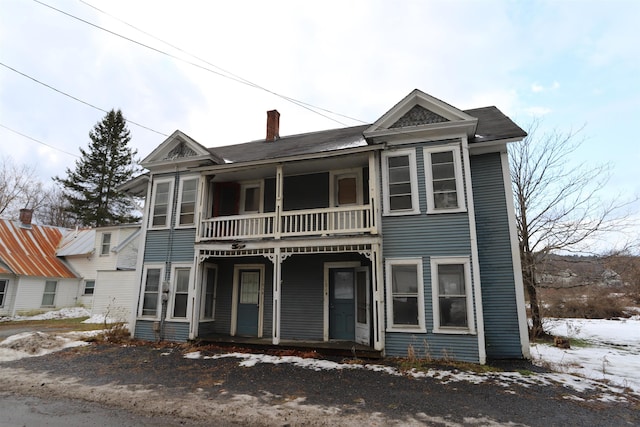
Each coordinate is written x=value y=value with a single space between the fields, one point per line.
x=592 y=302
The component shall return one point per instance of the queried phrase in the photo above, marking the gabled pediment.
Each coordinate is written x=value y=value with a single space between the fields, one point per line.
x=419 y=115
x=181 y=149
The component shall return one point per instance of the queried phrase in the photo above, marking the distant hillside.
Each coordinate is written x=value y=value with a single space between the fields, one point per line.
x=563 y=271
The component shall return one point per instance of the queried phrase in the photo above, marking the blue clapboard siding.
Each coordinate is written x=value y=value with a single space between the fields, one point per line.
x=496 y=268
x=173 y=331
x=423 y=236
x=170 y=245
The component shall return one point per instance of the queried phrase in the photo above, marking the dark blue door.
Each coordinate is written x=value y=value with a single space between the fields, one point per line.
x=248 y=303
x=342 y=304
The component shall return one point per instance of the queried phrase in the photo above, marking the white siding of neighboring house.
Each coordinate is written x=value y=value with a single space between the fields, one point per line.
x=29 y=297
x=114 y=294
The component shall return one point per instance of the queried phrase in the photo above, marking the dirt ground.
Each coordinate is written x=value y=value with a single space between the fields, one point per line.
x=158 y=381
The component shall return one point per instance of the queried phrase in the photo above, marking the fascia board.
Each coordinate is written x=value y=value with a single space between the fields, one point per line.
x=430 y=131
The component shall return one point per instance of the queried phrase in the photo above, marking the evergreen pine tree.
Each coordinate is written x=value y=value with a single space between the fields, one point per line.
x=91 y=189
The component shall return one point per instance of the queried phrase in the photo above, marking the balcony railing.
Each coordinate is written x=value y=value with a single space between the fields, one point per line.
x=308 y=222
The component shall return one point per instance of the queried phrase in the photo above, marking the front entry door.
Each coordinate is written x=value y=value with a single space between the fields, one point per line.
x=248 y=303
x=342 y=304
x=363 y=315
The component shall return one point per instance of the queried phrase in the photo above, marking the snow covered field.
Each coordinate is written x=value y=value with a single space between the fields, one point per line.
x=607 y=355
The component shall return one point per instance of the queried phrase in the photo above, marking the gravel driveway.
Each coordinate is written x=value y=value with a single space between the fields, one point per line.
x=160 y=381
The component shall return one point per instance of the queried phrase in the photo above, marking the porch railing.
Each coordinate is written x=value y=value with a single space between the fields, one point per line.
x=308 y=222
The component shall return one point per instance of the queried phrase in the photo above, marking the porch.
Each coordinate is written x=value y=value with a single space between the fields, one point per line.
x=326 y=348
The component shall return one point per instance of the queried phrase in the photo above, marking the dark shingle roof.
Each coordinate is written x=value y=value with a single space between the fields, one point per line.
x=492 y=126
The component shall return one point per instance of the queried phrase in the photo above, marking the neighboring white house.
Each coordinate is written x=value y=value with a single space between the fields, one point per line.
x=32 y=277
x=105 y=260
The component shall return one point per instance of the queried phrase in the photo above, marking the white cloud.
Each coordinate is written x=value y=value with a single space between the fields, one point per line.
x=537 y=111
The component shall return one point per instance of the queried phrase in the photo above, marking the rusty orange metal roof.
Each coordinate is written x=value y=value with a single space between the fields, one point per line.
x=31 y=251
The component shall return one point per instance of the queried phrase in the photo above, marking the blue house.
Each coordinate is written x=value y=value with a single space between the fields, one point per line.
x=388 y=238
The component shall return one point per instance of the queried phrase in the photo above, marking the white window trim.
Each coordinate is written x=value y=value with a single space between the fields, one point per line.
x=389 y=262
x=427 y=151
x=413 y=171
x=466 y=262
x=4 y=292
x=179 y=201
x=146 y=268
x=102 y=242
x=84 y=289
x=153 y=203
x=55 y=293
x=243 y=196
x=172 y=298
x=334 y=175
x=203 y=295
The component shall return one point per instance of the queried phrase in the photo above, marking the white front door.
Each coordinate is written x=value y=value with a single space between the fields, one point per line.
x=363 y=311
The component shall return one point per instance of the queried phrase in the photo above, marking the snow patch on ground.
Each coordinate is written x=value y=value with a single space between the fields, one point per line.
x=63 y=313
x=32 y=344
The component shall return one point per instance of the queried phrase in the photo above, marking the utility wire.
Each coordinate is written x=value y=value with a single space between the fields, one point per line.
x=229 y=76
x=38 y=141
x=235 y=76
x=76 y=99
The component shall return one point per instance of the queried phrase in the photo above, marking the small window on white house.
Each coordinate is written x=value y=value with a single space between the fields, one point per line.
x=89 y=287
x=209 y=292
x=161 y=208
x=405 y=309
x=181 y=292
x=444 y=179
x=400 y=183
x=251 y=198
x=451 y=281
x=3 y=291
x=151 y=292
x=49 y=294
x=188 y=195
x=105 y=245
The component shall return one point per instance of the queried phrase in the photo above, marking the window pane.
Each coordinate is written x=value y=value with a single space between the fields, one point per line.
x=182 y=280
x=405 y=311
x=451 y=279
x=152 y=286
x=150 y=304
x=89 y=286
x=180 y=307
x=398 y=161
x=400 y=189
x=400 y=202
x=445 y=200
x=404 y=279
x=47 y=299
x=249 y=287
x=50 y=286
x=444 y=185
x=3 y=291
x=343 y=284
x=443 y=171
x=442 y=157
x=347 y=192
x=252 y=199
x=453 y=311
x=153 y=280
x=399 y=175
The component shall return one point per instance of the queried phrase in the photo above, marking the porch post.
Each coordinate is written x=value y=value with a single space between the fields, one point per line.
x=373 y=193
x=277 y=263
x=278 y=213
x=377 y=279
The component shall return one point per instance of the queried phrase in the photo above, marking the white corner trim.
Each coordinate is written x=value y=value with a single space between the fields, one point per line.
x=515 y=255
x=475 y=264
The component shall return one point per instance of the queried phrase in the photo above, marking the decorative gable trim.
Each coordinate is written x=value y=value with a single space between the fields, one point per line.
x=182 y=149
x=420 y=116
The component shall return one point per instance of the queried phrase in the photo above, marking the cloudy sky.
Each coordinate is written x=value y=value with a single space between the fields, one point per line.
x=212 y=69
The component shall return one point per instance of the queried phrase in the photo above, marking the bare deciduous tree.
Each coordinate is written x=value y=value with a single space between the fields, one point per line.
x=55 y=209
x=19 y=188
x=558 y=204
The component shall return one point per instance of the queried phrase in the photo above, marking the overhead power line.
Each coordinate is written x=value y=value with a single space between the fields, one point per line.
x=223 y=73
x=77 y=99
x=38 y=141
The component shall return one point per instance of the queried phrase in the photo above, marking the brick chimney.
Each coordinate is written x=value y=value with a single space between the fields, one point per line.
x=273 y=125
x=25 y=217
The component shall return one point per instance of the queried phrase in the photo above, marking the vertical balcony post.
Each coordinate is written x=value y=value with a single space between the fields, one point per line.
x=278 y=213
x=373 y=193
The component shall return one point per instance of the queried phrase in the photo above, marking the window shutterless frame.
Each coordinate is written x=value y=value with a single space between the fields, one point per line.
x=105 y=245
x=151 y=289
x=180 y=279
x=187 y=201
x=443 y=179
x=405 y=295
x=400 y=182
x=452 y=295
x=162 y=202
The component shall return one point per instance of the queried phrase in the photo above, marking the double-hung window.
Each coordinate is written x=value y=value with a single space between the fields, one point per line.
x=451 y=287
x=4 y=284
x=151 y=296
x=400 y=182
x=89 y=287
x=105 y=245
x=161 y=208
x=405 y=295
x=49 y=294
x=180 y=291
x=251 y=198
x=187 y=206
x=443 y=173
